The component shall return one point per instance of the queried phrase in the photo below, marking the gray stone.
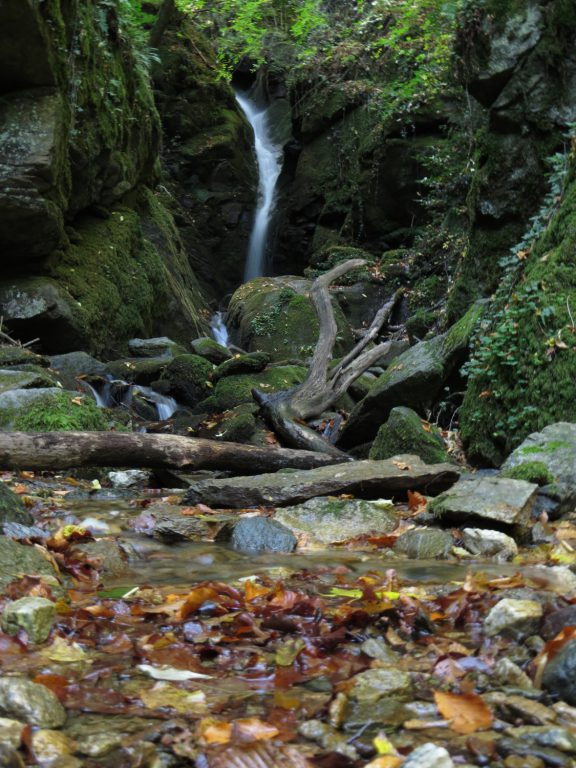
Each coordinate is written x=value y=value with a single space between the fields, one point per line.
x=17 y=560
x=33 y=703
x=546 y=736
x=413 y=380
x=12 y=509
x=170 y=525
x=129 y=478
x=385 y=711
x=495 y=499
x=261 y=534
x=324 y=521
x=516 y=618
x=559 y=676
x=211 y=350
x=376 y=683
x=554 y=446
x=73 y=364
x=18 y=379
x=555 y=622
x=161 y=346
x=368 y=478
x=108 y=556
x=424 y=544
x=35 y=615
x=494 y=544
x=10 y=733
x=428 y=756
x=378 y=648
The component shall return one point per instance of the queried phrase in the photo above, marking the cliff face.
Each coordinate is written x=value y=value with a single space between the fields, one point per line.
x=90 y=254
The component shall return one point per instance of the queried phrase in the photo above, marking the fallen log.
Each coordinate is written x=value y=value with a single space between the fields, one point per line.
x=364 y=479
x=63 y=450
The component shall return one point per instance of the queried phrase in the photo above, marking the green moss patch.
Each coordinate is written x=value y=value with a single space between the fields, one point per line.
x=61 y=412
x=531 y=471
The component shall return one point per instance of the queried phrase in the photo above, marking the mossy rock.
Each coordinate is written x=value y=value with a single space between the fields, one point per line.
x=531 y=471
x=138 y=370
x=418 y=324
x=61 y=412
x=31 y=378
x=189 y=377
x=276 y=315
x=406 y=432
x=253 y=362
x=211 y=350
x=237 y=426
x=332 y=255
x=11 y=356
x=235 y=390
x=12 y=509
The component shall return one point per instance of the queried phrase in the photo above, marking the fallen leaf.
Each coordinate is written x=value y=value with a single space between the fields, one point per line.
x=416 y=500
x=165 y=672
x=166 y=695
x=250 y=729
x=466 y=712
x=401 y=465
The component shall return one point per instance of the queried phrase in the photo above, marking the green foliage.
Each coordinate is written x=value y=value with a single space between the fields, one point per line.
x=60 y=412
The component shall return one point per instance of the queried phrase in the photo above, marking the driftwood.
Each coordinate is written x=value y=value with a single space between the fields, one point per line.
x=286 y=411
x=63 y=450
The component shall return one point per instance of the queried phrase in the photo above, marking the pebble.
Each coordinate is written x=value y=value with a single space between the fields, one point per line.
x=508 y=673
x=494 y=544
x=428 y=756
x=376 y=683
x=35 y=615
x=30 y=702
x=10 y=733
x=129 y=478
x=327 y=737
x=51 y=745
x=517 y=618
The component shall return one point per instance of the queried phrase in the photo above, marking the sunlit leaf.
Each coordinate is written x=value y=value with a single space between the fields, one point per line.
x=165 y=672
x=166 y=695
x=250 y=729
x=466 y=712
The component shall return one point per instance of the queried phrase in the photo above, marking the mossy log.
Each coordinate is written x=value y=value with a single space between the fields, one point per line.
x=287 y=411
x=63 y=450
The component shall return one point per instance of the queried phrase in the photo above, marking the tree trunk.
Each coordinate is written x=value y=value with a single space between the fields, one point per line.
x=286 y=411
x=63 y=450
x=165 y=14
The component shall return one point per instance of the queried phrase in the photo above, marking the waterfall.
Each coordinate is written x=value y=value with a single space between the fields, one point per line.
x=218 y=328
x=269 y=157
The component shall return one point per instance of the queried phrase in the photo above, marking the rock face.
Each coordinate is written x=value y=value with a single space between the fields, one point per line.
x=370 y=479
x=78 y=131
x=499 y=500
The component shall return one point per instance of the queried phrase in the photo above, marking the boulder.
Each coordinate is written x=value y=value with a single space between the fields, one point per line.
x=424 y=544
x=189 y=378
x=261 y=534
x=161 y=346
x=559 y=676
x=232 y=391
x=406 y=432
x=211 y=350
x=370 y=479
x=253 y=362
x=414 y=379
x=554 y=448
x=487 y=499
x=11 y=378
x=320 y=521
x=12 y=509
x=72 y=364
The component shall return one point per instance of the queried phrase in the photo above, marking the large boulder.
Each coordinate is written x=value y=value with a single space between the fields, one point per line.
x=276 y=315
x=554 y=447
x=406 y=432
x=415 y=379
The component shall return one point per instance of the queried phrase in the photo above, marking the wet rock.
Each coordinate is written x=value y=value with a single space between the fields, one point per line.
x=528 y=761
x=9 y=758
x=30 y=379
x=406 y=432
x=493 y=544
x=170 y=525
x=527 y=709
x=378 y=648
x=324 y=521
x=374 y=684
x=521 y=749
x=129 y=478
x=413 y=380
x=106 y=555
x=132 y=370
x=428 y=756
x=557 y=620
x=560 y=674
x=253 y=362
x=52 y=746
x=385 y=711
x=189 y=378
x=327 y=737
x=97 y=735
x=510 y=674
x=493 y=499
x=261 y=534
x=563 y=739
x=237 y=425
x=160 y=346
x=30 y=702
x=211 y=350
x=10 y=733
x=518 y=618
x=554 y=578
x=424 y=544
x=12 y=509
x=18 y=560
x=73 y=364
x=372 y=479
x=35 y=615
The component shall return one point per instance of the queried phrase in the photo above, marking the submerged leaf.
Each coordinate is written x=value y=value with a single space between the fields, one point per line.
x=466 y=712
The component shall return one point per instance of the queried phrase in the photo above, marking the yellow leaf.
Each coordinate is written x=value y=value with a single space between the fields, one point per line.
x=466 y=712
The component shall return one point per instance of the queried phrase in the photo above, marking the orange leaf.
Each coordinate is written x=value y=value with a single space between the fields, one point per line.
x=212 y=731
x=195 y=599
x=401 y=465
x=250 y=729
x=252 y=590
x=416 y=500
x=20 y=488
x=466 y=712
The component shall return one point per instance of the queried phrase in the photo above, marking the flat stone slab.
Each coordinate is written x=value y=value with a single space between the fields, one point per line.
x=366 y=479
x=496 y=499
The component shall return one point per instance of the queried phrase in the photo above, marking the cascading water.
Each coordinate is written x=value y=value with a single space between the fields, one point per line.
x=218 y=328
x=269 y=157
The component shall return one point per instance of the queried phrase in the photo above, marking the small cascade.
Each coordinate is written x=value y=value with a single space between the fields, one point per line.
x=114 y=392
x=218 y=328
x=269 y=156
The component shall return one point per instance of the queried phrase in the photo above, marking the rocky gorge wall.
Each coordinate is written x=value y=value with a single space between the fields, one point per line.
x=90 y=254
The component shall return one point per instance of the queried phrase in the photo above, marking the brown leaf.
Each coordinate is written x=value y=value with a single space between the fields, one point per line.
x=251 y=729
x=466 y=712
x=416 y=500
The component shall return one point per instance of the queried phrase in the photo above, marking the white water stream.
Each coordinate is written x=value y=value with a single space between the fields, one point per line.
x=218 y=328
x=269 y=157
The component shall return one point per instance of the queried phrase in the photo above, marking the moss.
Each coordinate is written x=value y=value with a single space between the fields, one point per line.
x=513 y=396
x=418 y=324
x=237 y=426
x=11 y=356
x=531 y=471
x=406 y=432
x=189 y=378
x=61 y=412
x=253 y=362
x=333 y=255
x=235 y=390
